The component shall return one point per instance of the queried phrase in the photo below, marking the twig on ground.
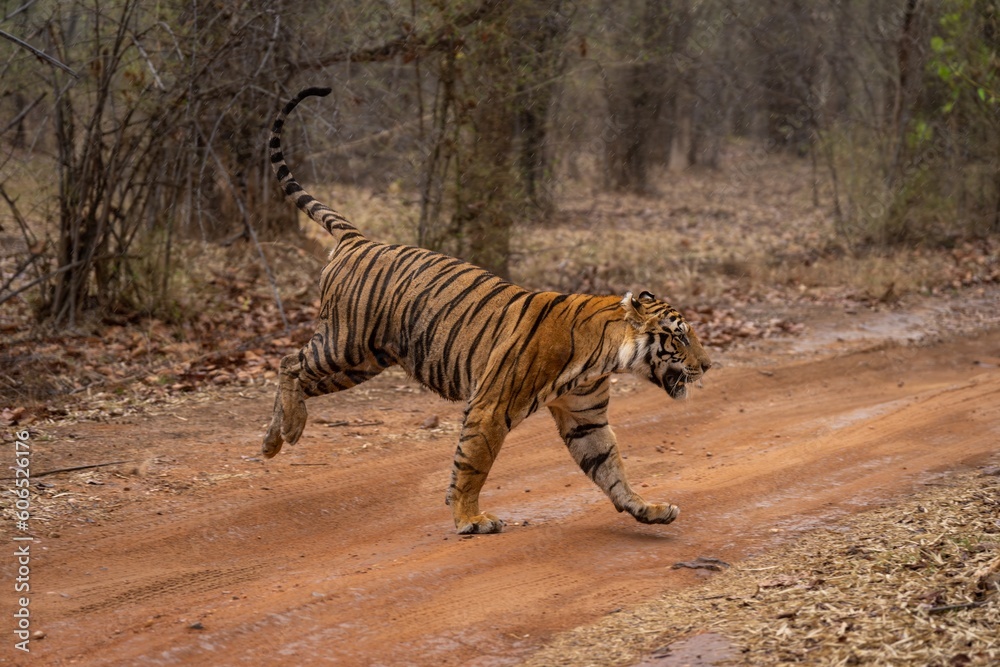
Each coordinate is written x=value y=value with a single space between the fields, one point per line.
x=74 y=469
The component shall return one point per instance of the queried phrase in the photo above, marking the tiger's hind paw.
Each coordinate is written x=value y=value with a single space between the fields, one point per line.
x=293 y=421
x=479 y=524
x=272 y=440
x=657 y=513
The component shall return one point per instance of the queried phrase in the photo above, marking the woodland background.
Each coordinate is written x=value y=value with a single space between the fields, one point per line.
x=135 y=189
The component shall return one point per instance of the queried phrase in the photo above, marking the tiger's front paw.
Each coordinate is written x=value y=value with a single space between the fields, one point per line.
x=479 y=524
x=657 y=513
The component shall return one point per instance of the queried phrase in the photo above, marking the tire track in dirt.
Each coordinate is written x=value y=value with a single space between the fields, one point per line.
x=355 y=562
x=110 y=597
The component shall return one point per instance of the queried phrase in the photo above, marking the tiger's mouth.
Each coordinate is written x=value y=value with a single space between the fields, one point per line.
x=676 y=380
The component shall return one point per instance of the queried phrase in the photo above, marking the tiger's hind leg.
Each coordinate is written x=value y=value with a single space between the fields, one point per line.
x=288 y=417
x=296 y=383
x=583 y=424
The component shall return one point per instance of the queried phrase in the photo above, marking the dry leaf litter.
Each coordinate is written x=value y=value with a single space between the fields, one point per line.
x=917 y=583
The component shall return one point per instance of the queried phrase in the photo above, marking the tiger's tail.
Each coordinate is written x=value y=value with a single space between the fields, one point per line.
x=337 y=225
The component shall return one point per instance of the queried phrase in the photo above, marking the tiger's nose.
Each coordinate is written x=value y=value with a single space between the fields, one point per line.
x=705 y=365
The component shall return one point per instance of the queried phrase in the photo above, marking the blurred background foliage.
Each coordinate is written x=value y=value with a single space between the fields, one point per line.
x=130 y=129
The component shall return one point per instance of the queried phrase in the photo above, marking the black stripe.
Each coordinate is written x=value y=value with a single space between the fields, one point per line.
x=546 y=309
x=504 y=362
x=583 y=430
x=601 y=405
x=314 y=91
x=358 y=376
x=597 y=386
x=526 y=341
x=458 y=274
x=316 y=369
x=591 y=464
x=328 y=363
x=467 y=467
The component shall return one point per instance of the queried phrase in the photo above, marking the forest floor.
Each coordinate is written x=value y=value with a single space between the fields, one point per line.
x=837 y=478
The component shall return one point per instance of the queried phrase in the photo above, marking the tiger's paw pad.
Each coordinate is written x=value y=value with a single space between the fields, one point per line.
x=658 y=513
x=480 y=524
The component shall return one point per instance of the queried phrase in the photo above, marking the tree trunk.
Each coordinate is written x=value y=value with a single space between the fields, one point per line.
x=635 y=95
x=488 y=191
x=540 y=31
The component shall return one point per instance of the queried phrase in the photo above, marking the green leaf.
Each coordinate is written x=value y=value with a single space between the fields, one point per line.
x=937 y=44
x=982 y=94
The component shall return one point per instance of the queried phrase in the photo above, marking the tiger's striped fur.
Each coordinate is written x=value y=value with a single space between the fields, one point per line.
x=471 y=336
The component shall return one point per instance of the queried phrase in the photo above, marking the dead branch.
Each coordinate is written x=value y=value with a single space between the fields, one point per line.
x=74 y=469
x=956 y=607
x=29 y=238
x=24 y=112
x=41 y=54
x=409 y=45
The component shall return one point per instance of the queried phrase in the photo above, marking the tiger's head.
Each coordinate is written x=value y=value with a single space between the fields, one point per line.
x=662 y=346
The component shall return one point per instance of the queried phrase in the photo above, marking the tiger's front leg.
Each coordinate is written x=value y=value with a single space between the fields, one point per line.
x=582 y=422
x=482 y=436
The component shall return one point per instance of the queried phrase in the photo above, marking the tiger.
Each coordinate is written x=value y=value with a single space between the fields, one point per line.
x=472 y=336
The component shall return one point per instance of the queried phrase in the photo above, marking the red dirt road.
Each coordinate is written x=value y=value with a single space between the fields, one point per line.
x=341 y=550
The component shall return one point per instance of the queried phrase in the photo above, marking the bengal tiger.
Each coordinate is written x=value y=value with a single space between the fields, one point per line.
x=471 y=336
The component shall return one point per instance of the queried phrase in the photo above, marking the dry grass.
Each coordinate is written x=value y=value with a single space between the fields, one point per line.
x=389 y=217
x=748 y=231
x=917 y=583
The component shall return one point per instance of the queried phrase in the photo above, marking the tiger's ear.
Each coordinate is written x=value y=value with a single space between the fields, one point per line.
x=635 y=311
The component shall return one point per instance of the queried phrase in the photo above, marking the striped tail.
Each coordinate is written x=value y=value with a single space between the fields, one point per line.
x=333 y=222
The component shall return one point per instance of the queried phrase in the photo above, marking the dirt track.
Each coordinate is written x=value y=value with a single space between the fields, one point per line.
x=341 y=550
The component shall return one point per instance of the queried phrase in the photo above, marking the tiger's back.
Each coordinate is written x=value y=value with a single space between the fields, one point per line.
x=469 y=335
x=446 y=321
x=418 y=309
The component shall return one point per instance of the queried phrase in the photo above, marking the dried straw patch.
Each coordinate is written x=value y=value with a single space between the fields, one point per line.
x=917 y=583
